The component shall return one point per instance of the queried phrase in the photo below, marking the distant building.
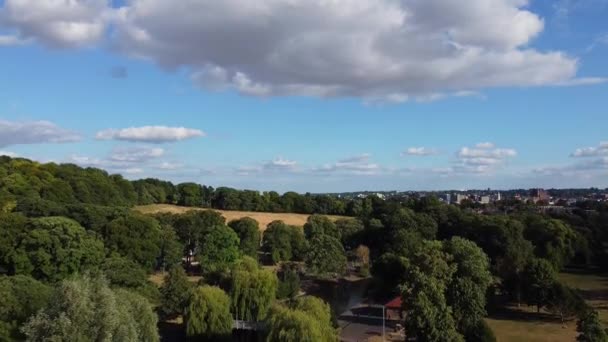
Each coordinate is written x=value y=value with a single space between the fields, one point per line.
x=459 y=198
x=540 y=195
x=484 y=200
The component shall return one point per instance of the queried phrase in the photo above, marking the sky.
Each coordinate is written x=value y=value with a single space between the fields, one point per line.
x=311 y=95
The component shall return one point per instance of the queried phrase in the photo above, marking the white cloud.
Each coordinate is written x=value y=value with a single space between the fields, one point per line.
x=8 y=40
x=600 y=150
x=34 y=132
x=150 y=134
x=483 y=158
x=280 y=164
x=57 y=23
x=8 y=154
x=378 y=50
x=169 y=166
x=357 y=165
x=136 y=154
x=420 y=151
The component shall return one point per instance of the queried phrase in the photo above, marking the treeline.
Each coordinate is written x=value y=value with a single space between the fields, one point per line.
x=25 y=181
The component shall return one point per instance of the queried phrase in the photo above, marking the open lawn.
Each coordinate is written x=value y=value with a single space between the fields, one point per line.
x=524 y=324
x=263 y=218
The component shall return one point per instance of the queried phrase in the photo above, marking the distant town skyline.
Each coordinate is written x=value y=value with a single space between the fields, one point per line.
x=312 y=96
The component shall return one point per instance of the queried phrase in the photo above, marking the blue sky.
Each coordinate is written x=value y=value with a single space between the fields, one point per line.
x=316 y=96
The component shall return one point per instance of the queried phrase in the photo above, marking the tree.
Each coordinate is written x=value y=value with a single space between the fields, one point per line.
x=219 y=249
x=86 y=309
x=22 y=297
x=539 y=278
x=289 y=282
x=283 y=242
x=565 y=302
x=55 y=248
x=466 y=291
x=124 y=236
x=175 y=292
x=320 y=225
x=590 y=328
x=252 y=291
x=248 y=231
x=308 y=320
x=325 y=256
x=171 y=250
x=362 y=253
x=350 y=232
x=427 y=275
x=208 y=314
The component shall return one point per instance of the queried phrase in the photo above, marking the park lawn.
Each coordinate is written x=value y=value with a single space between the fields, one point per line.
x=263 y=218
x=524 y=324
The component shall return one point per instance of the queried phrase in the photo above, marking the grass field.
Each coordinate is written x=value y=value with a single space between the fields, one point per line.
x=524 y=324
x=263 y=218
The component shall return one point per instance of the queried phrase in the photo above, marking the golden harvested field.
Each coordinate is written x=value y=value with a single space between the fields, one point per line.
x=263 y=218
x=524 y=324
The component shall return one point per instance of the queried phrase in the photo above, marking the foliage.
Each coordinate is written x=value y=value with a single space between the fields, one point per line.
x=248 y=231
x=289 y=282
x=538 y=279
x=466 y=291
x=252 y=291
x=124 y=236
x=320 y=225
x=350 y=232
x=219 y=249
x=54 y=248
x=175 y=292
x=208 y=314
x=309 y=320
x=590 y=328
x=86 y=309
x=565 y=302
x=428 y=316
x=22 y=297
x=325 y=256
x=283 y=242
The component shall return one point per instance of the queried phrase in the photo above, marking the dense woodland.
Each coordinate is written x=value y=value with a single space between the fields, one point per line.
x=75 y=260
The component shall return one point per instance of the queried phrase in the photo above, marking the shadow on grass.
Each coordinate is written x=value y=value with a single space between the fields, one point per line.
x=518 y=315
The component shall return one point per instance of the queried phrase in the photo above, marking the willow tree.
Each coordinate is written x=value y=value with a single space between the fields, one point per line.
x=208 y=314
x=252 y=291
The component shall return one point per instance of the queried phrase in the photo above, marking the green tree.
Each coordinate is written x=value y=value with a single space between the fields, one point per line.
x=466 y=291
x=326 y=256
x=248 y=231
x=283 y=242
x=428 y=316
x=289 y=282
x=320 y=225
x=219 y=249
x=55 y=248
x=350 y=232
x=590 y=328
x=208 y=314
x=309 y=320
x=252 y=291
x=175 y=292
x=124 y=236
x=86 y=309
x=565 y=302
x=171 y=250
x=539 y=278
x=22 y=297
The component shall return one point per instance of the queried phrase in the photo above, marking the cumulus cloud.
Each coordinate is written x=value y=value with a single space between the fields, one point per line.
x=482 y=158
x=600 y=150
x=150 y=134
x=280 y=164
x=8 y=154
x=59 y=24
x=136 y=154
x=34 y=132
x=8 y=40
x=357 y=165
x=420 y=151
x=378 y=50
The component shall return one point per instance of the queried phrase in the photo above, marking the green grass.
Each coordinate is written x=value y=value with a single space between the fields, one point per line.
x=524 y=324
